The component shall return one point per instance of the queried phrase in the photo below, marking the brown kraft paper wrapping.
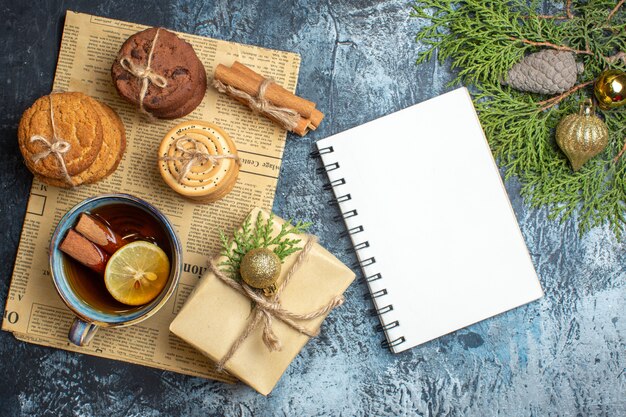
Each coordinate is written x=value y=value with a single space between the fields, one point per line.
x=215 y=315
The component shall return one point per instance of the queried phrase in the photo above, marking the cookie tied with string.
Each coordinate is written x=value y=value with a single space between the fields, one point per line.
x=199 y=161
x=160 y=74
x=63 y=141
x=69 y=139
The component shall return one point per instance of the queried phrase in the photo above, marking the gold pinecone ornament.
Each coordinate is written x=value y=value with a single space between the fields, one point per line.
x=582 y=136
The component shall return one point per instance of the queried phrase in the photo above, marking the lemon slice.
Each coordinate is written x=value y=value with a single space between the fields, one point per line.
x=137 y=273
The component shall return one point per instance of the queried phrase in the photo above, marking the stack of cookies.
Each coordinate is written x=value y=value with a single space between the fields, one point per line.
x=69 y=139
x=160 y=74
x=199 y=161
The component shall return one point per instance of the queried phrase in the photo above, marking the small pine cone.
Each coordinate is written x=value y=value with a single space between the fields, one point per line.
x=545 y=72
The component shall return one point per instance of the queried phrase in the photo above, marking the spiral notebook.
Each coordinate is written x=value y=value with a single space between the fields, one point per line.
x=430 y=220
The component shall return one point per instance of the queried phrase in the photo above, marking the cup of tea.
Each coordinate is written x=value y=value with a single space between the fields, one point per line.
x=81 y=284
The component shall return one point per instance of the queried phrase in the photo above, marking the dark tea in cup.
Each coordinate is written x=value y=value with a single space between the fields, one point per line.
x=128 y=246
x=130 y=224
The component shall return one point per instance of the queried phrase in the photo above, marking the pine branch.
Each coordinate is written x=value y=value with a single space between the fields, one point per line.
x=615 y=9
x=568 y=9
x=553 y=46
x=556 y=100
x=568 y=14
x=620 y=153
x=481 y=40
x=250 y=237
x=619 y=56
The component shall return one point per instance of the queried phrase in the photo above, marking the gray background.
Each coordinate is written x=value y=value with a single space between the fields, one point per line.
x=563 y=355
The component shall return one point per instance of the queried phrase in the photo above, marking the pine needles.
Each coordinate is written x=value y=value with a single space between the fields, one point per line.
x=259 y=236
x=482 y=40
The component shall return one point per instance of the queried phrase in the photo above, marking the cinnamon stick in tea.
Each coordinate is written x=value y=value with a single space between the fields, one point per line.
x=84 y=251
x=99 y=233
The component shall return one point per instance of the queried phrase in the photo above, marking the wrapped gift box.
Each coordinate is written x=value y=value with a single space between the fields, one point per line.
x=215 y=315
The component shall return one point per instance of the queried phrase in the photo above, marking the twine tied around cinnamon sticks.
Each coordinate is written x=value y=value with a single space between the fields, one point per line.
x=193 y=156
x=267 y=97
x=287 y=118
x=145 y=73
x=55 y=146
x=265 y=310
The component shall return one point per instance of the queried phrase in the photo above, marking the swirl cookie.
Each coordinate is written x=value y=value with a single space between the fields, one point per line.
x=199 y=161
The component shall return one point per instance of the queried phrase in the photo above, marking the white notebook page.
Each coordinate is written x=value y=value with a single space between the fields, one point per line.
x=437 y=218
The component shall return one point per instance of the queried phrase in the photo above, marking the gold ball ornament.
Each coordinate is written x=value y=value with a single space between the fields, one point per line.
x=260 y=268
x=610 y=89
x=582 y=136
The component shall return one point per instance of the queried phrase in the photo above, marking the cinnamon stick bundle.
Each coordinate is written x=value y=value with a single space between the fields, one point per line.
x=242 y=79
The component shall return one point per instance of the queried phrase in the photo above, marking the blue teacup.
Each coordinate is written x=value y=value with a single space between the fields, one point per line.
x=91 y=315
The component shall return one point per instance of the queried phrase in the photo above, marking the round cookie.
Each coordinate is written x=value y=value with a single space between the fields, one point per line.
x=204 y=182
x=111 y=152
x=119 y=133
x=172 y=58
x=109 y=155
x=197 y=94
x=186 y=108
x=76 y=121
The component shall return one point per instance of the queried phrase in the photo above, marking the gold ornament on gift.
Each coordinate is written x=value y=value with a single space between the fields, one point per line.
x=610 y=89
x=260 y=269
x=582 y=136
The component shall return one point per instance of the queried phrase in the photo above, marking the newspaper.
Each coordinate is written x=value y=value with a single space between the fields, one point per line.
x=34 y=312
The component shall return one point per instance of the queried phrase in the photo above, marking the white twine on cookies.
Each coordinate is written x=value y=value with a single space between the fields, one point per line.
x=286 y=117
x=193 y=156
x=146 y=74
x=267 y=309
x=57 y=147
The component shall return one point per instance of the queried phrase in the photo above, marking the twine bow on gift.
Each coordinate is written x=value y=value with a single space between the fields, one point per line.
x=286 y=117
x=265 y=310
x=145 y=73
x=56 y=147
x=193 y=156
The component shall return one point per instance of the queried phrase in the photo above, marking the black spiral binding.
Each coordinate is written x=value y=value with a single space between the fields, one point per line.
x=365 y=262
x=352 y=231
x=340 y=199
x=381 y=328
x=345 y=215
x=371 y=295
x=328 y=168
x=330 y=185
x=322 y=151
x=385 y=344
x=365 y=244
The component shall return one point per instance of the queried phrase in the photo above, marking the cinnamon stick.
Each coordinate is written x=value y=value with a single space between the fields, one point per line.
x=301 y=129
x=84 y=251
x=314 y=116
x=99 y=233
x=280 y=96
x=248 y=81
